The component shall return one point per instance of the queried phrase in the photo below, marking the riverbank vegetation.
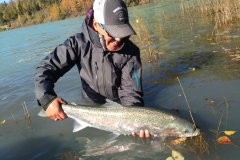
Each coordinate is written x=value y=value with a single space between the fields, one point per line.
x=19 y=13
x=190 y=16
x=224 y=12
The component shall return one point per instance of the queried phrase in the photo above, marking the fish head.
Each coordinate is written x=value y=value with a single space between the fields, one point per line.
x=180 y=128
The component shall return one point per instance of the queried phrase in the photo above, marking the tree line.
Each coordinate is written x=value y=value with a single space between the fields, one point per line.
x=18 y=13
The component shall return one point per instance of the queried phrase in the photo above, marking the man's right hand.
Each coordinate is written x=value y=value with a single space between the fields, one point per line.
x=55 y=111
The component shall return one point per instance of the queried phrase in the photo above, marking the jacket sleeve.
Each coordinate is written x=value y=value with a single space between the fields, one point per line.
x=51 y=68
x=130 y=92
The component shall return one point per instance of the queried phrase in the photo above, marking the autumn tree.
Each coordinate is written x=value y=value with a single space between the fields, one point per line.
x=25 y=12
x=10 y=11
x=19 y=8
x=68 y=7
x=2 y=7
x=1 y=19
x=54 y=14
x=84 y=5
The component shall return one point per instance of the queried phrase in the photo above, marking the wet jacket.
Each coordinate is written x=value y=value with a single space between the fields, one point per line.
x=104 y=74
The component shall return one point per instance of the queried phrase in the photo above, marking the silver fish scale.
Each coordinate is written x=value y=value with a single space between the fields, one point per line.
x=124 y=120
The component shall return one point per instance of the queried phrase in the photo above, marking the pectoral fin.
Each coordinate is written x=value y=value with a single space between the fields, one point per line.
x=112 y=136
x=79 y=125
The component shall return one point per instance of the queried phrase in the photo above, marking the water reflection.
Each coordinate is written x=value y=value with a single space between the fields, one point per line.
x=36 y=148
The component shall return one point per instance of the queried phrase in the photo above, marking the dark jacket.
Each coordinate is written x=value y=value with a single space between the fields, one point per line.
x=104 y=74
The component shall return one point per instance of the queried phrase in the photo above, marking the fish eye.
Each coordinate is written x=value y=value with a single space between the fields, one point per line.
x=185 y=131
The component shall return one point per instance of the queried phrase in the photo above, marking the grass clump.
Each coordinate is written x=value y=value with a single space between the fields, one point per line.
x=223 y=12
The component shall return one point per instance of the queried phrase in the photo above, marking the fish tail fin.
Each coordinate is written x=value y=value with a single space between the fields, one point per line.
x=42 y=113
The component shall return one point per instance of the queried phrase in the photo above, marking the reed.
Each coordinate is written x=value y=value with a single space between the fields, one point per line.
x=223 y=12
x=221 y=15
x=27 y=115
x=144 y=39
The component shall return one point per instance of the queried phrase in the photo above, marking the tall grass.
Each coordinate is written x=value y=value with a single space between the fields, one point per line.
x=223 y=12
x=145 y=39
x=189 y=17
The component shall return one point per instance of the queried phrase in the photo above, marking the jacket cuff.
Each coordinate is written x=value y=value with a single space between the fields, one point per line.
x=46 y=100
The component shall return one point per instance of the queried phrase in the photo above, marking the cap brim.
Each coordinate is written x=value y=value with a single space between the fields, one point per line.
x=120 y=31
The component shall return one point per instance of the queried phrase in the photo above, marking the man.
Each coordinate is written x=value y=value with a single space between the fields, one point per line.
x=108 y=62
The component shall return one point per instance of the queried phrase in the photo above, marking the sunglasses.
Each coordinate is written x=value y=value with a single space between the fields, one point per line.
x=104 y=29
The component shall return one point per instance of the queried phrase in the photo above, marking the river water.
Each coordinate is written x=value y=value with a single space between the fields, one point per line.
x=207 y=69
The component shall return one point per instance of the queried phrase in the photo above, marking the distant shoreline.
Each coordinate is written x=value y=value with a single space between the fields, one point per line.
x=40 y=17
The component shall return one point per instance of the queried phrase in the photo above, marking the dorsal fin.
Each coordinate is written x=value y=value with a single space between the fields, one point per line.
x=110 y=103
x=73 y=103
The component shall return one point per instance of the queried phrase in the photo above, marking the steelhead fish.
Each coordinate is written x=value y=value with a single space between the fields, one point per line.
x=125 y=120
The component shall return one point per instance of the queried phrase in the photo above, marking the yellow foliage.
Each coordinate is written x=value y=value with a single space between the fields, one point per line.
x=4 y=121
x=68 y=7
x=54 y=14
x=39 y=17
x=229 y=132
x=64 y=7
x=177 y=155
x=83 y=5
x=19 y=18
x=179 y=140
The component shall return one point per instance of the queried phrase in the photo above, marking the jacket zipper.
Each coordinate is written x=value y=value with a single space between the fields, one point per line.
x=103 y=70
x=96 y=68
x=104 y=82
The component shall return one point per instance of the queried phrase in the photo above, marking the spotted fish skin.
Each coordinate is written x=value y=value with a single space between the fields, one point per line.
x=125 y=120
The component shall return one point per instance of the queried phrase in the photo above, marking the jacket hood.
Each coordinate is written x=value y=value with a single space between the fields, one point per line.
x=90 y=34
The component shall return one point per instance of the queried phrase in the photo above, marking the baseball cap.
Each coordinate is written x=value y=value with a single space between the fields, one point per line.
x=113 y=15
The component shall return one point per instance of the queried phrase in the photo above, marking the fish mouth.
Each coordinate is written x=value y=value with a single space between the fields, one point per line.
x=195 y=133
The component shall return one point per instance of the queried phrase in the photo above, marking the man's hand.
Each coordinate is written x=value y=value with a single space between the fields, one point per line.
x=142 y=134
x=55 y=111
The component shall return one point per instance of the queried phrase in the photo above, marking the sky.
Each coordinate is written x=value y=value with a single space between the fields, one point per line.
x=1 y=1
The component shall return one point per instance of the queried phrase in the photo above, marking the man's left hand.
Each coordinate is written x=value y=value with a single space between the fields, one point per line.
x=142 y=134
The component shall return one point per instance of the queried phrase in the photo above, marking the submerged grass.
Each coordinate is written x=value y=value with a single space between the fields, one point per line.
x=14 y=119
x=27 y=116
x=19 y=123
x=197 y=145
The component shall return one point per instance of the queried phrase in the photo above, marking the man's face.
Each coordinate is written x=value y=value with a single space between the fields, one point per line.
x=111 y=42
